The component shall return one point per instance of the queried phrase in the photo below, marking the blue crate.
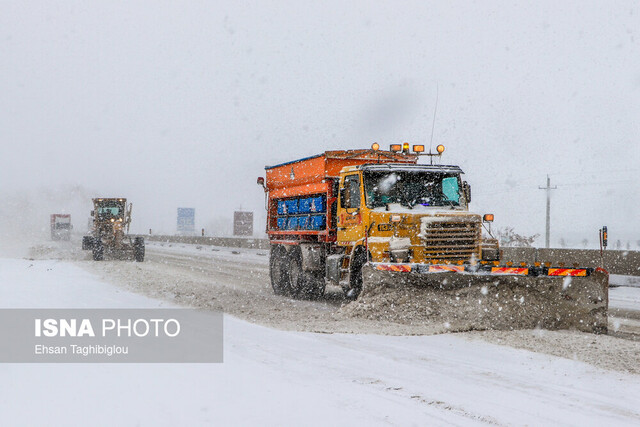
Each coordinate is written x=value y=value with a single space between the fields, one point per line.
x=292 y=223
x=282 y=223
x=282 y=207
x=292 y=206
x=304 y=205
x=316 y=222
x=303 y=222
x=312 y=204
x=317 y=204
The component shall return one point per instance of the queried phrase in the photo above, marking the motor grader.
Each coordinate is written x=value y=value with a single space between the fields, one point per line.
x=371 y=219
x=111 y=218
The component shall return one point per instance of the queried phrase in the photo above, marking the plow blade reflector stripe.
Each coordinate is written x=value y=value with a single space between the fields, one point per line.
x=391 y=267
x=510 y=270
x=438 y=268
x=567 y=272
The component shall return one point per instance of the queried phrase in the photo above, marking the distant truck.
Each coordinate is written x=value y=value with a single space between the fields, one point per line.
x=61 y=227
x=109 y=231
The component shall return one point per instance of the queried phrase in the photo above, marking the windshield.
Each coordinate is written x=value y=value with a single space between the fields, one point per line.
x=108 y=211
x=410 y=189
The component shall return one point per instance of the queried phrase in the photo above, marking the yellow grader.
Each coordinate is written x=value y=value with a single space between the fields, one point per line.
x=109 y=232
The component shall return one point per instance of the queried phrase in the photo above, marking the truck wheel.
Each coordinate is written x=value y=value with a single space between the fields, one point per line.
x=98 y=250
x=314 y=285
x=87 y=243
x=278 y=270
x=138 y=249
x=355 y=274
x=296 y=280
x=304 y=284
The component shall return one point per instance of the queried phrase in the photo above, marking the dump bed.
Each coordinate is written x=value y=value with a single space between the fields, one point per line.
x=302 y=193
x=307 y=175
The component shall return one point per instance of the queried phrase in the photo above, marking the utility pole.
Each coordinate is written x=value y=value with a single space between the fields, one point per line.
x=548 y=188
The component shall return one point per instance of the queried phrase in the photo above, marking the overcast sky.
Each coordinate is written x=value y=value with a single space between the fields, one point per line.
x=182 y=104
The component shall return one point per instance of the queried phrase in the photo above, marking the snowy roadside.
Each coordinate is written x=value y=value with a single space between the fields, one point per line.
x=273 y=377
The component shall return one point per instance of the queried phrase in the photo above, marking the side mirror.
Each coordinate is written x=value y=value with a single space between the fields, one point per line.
x=92 y=213
x=467 y=191
x=342 y=197
x=260 y=181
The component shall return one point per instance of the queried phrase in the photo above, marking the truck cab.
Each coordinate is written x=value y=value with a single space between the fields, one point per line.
x=400 y=213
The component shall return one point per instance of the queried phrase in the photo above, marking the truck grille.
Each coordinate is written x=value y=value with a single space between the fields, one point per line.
x=451 y=241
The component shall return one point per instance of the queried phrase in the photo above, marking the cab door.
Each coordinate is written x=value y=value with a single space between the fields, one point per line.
x=350 y=215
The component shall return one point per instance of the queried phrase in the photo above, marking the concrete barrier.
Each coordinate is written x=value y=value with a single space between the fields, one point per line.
x=234 y=242
x=615 y=262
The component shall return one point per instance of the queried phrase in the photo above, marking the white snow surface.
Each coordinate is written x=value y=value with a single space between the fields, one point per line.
x=272 y=377
x=620 y=280
x=626 y=294
x=624 y=298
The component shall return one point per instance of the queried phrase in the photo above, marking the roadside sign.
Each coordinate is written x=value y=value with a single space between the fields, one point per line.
x=242 y=223
x=186 y=220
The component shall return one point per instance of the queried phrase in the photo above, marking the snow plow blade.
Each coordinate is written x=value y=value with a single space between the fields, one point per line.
x=466 y=297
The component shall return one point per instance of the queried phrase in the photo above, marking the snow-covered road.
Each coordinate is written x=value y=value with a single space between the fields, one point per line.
x=273 y=377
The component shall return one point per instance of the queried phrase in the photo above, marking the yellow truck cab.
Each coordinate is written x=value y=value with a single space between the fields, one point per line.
x=408 y=213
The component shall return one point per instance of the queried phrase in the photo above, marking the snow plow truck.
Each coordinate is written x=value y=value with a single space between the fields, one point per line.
x=109 y=231
x=372 y=219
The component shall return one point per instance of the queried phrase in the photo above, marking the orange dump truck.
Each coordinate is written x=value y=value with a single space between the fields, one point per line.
x=363 y=218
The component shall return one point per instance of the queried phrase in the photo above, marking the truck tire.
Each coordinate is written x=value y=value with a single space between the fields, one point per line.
x=295 y=273
x=355 y=274
x=138 y=249
x=98 y=250
x=303 y=284
x=314 y=285
x=278 y=270
x=87 y=243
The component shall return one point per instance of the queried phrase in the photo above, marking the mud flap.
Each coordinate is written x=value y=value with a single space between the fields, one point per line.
x=477 y=301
